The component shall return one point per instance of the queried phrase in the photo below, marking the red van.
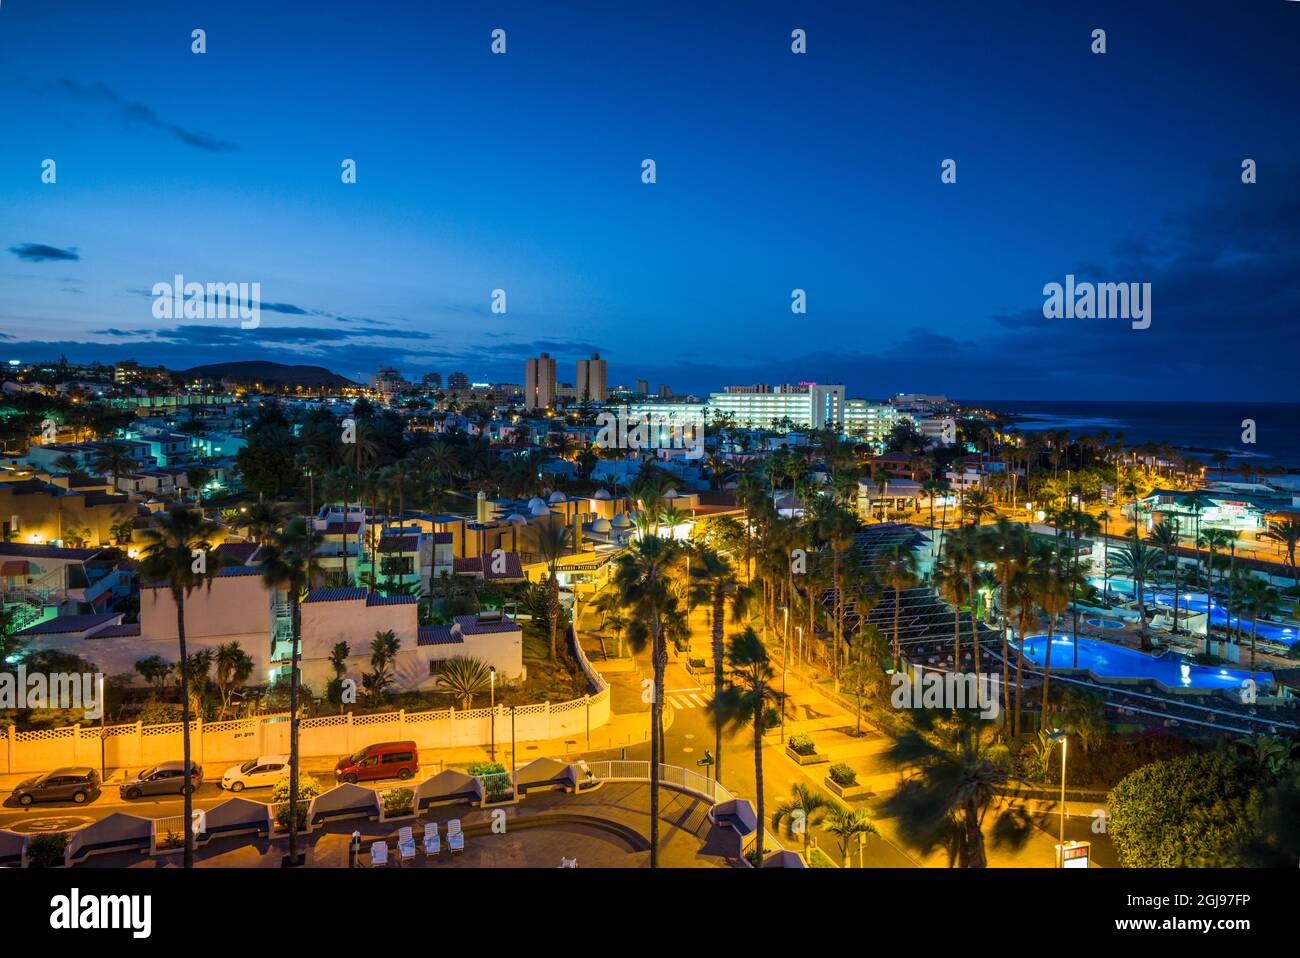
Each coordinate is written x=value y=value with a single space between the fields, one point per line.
x=385 y=760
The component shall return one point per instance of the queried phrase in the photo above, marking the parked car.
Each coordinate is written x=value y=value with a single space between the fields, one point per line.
x=385 y=760
x=78 y=785
x=165 y=778
x=261 y=772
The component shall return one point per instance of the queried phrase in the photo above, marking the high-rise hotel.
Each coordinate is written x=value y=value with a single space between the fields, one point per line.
x=808 y=405
x=589 y=382
x=539 y=382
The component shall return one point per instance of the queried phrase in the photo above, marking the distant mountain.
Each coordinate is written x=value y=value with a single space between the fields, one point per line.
x=261 y=371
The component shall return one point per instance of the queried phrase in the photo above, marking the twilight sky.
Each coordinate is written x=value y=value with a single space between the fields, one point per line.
x=775 y=171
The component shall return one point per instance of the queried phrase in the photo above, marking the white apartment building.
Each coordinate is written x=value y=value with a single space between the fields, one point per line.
x=808 y=405
x=870 y=422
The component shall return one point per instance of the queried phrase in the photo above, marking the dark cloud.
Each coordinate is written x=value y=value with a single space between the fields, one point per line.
x=39 y=252
x=137 y=113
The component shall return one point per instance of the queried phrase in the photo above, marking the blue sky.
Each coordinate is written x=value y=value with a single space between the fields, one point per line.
x=775 y=171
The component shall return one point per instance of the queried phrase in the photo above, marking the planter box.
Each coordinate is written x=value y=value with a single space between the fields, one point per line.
x=816 y=758
x=856 y=790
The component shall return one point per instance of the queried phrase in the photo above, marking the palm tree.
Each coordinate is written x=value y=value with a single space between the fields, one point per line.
x=1164 y=536
x=1141 y=563
x=950 y=582
x=1052 y=597
x=234 y=666
x=66 y=463
x=1262 y=600
x=933 y=487
x=1287 y=534
x=464 y=677
x=642 y=580
x=1078 y=524
x=262 y=518
x=714 y=579
x=897 y=569
x=1007 y=546
x=289 y=563
x=743 y=702
x=1194 y=502
x=113 y=458
x=551 y=540
x=964 y=556
x=174 y=552
x=950 y=787
x=804 y=808
x=1103 y=517
x=847 y=825
x=977 y=505
x=339 y=663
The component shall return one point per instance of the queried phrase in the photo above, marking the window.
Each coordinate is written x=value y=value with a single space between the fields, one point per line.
x=396 y=757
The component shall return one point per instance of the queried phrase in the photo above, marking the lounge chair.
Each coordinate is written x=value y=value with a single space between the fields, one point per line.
x=432 y=843
x=406 y=843
x=378 y=854
x=455 y=837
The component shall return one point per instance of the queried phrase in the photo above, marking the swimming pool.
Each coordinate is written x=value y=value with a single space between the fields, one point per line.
x=1105 y=623
x=1115 y=661
x=1197 y=602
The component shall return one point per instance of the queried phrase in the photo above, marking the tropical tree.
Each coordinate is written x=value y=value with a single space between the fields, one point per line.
x=113 y=458
x=848 y=826
x=799 y=812
x=951 y=782
x=977 y=505
x=262 y=519
x=289 y=564
x=551 y=540
x=1164 y=536
x=383 y=651
x=743 y=702
x=1287 y=534
x=234 y=666
x=1052 y=597
x=897 y=570
x=1141 y=563
x=464 y=677
x=1262 y=600
x=175 y=553
x=641 y=577
x=714 y=580
x=339 y=663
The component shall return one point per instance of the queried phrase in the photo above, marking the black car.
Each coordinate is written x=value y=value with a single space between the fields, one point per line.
x=78 y=785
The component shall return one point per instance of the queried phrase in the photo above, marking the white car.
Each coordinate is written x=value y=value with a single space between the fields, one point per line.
x=261 y=772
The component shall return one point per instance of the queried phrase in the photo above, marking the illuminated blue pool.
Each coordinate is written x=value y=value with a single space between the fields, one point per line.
x=1197 y=602
x=1105 y=623
x=1116 y=661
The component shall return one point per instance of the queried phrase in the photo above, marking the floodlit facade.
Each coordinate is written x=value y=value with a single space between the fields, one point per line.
x=808 y=405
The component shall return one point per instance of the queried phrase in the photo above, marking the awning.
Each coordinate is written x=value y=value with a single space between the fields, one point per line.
x=13 y=568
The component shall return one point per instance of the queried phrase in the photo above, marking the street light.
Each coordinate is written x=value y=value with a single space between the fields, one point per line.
x=492 y=693
x=1060 y=849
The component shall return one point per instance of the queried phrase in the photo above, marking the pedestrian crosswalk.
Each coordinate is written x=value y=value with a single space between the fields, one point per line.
x=687 y=700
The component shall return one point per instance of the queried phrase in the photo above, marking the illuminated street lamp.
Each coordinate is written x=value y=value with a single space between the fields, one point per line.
x=492 y=678
x=785 y=663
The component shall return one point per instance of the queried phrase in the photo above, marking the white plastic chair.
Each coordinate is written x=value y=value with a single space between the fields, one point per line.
x=406 y=843
x=432 y=843
x=378 y=854
x=455 y=837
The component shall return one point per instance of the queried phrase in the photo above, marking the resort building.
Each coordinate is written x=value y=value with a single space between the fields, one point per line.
x=807 y=405
x=870 y=422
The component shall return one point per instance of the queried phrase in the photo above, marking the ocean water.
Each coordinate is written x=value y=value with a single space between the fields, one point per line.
x=1193 y=427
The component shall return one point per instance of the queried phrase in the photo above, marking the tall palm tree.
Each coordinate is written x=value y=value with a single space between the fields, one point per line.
x=799 y=812
x=1194 y=502
x=551 y=540
x=897 y=570
x=262 y=518
x=1104 y=518
x=977 y=505
x=176 y=552
x=1078 y=523
x=1006 y=545
x=950 y=786
x=289 y=563
x=1287 y=534
x=714 y=579
x=1262 y=600
x=743 y=702
x=1165 y=537
x=1052 y=597
x=950 y=582
x=1141 y=563
x=641 y=577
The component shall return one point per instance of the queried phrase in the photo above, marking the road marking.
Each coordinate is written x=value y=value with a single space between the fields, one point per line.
x=698 y=701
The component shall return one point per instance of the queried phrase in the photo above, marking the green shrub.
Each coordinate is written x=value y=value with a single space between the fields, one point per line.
x=308 y=788
x=771 y=718
x=1185 y=812
x=802 y=744
x=398 y=801
x=45 y=850
x=842 y=775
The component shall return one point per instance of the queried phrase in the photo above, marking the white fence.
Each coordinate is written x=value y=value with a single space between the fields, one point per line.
x=121 y=746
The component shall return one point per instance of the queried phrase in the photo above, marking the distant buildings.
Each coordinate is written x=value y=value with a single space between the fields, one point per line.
x=457 y=382
x=539 y=382
x=432 y=381
x=590 y=380
x=388 y=382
